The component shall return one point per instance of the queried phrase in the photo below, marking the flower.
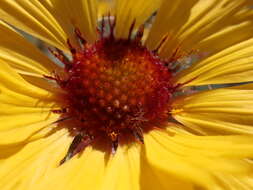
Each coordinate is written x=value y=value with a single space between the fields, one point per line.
x=57 y=134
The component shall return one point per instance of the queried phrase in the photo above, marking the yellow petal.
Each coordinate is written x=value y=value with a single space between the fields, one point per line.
x=19 y=128
x=152 y=177
x=79 y=13
x=105 y=7
x=83 y=171
x=131 y=11
x=95 y=169
x=228 y=36
x=171 y=16
x=236 y=183
x=32 y=17
x=123 y=170
x=24 y=109
x=201 y=20
x=11 y=81
x=221 y=111
x=22 y=55
x=232 y=65
x=210 y=18
x=14 y=97
x=23 y=167
x=198 y=159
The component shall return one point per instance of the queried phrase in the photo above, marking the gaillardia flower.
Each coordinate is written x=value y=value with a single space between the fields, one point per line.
x=131 y=94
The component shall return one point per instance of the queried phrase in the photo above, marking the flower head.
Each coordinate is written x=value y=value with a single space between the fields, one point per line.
x=131 y=96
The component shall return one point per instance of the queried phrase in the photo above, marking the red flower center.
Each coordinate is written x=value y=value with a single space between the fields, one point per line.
x=114 y=89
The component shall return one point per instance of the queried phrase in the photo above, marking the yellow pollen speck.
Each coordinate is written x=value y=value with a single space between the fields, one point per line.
x=176 y=111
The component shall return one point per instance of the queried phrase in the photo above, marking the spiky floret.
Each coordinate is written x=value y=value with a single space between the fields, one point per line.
x=113 y=89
